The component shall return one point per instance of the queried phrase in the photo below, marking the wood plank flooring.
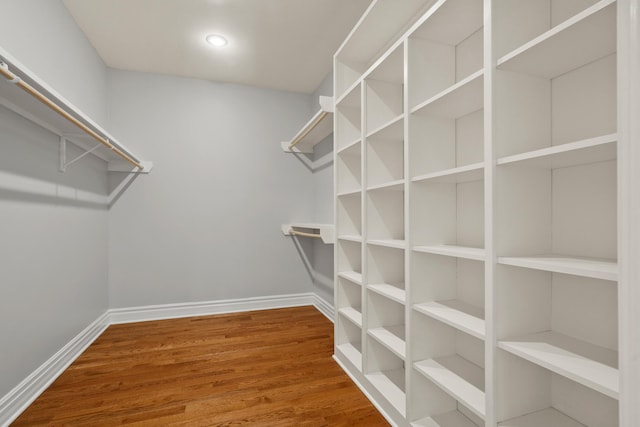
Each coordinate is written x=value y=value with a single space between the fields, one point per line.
x=260 y=368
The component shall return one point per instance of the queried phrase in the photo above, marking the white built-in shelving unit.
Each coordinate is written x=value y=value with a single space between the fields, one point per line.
x=480 y=211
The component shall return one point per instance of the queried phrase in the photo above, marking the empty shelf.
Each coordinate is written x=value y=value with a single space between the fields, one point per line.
x=392 y=337
x=584 y=38
x=393 y=130
x=352 y=314
x=352 y=276
x=449 y=419
x=586 y=267
x=388 y=243
x=391 y=385
x=316 y=130
x=397 y=185
x=351 y=353
x=454 y=251
x=389 y=291
x=546 y=417
x=584 y=363
x=456 y=383
x=351 y=237
x=468 y=173
x=457 y=101
x=464 y=317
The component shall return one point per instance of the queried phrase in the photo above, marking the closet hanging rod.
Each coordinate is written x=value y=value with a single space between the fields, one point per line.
x=4 y=70
x=303 y=234
x=300 y=137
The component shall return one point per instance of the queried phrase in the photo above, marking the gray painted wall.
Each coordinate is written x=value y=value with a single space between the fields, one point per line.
x=53 y=226
x=205 y=224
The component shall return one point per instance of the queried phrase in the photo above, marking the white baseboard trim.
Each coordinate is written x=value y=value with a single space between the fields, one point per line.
x=22 y=395
x=173 y=311
x=18 y=399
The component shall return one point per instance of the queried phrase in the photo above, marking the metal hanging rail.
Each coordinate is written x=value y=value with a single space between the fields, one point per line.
x=11 y=77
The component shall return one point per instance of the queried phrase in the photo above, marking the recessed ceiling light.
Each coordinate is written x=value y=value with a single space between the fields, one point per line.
x=216 y=40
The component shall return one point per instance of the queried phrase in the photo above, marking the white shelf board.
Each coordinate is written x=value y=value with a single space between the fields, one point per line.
x=457 y=101
x=352 y=314
x=454 y=251
x=351 y=149
x=351 y=276
x=584 y=363
x=351 y=237
x=347 y=193
x=545 y=417
x=393 y=130
x=389 y=67
x=448 y=419
x=455 y=381
x=23 y=104
x=585 y=267
x=582 y=39
x=457 y=314
x=351 y=97
x=468 y=173
x=386 y=383
x=394 y=293
x=326 y=231
x=437 y=24
x=315 y=130
x=592 y=150
x=388 y=243
x=392 y=337
x=351 y=353
x=397 y=185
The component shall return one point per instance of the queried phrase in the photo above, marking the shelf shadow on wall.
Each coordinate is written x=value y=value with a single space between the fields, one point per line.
x=317 y=259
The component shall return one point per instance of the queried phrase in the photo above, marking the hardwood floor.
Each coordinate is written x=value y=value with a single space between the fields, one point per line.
x=261 y=368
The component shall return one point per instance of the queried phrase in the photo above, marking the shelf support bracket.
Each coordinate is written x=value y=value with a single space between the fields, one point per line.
x=63 y=154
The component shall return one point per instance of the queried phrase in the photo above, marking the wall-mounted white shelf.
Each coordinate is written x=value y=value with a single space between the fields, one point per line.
x=586 y=267
x=453 y=251
x=394 y=293
x=352 y=276
x=27 y=95
x=457 y=314
x=585 y=363
x=314 y=131
x=326 y=232
x=352 y=314
x=392 y=337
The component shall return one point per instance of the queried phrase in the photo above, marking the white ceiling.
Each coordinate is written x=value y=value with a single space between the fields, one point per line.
x=278 y=44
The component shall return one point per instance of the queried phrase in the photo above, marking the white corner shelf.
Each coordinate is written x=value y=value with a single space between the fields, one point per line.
x=457 y=314
x=352 y=314
x=352 y=276
x=453 y=251
x=580 y=40
x=584 y=363
x=392 y=337
x=14 y=98
x=544 y=417
x=467 y=173
x=391 y=292
x=457 y=101
x=583 y=152
x=448 y=419
x=457 y=384
x=314 y=131
x=326 y=232
x=577 y=266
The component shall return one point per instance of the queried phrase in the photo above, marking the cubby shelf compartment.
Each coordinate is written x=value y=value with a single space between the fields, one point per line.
x=326 y=232
x=351 y=237
x=351 y=148
x=388 y=243
x=582 y=39
x=351 y=192
x=592 y=150
x=314 y=131
x=462 y=316
x=468 y=173
x=351 y=276
x=351 y=353
x=394 y=293
x=388 y=131
x=453 y=251
x=397 y=185
x=33 y=99
x=585 y=267
x=352 y=315
x=544 y=417
x=391 y=385
x=462 y=385
x=392 y=337
x=584 y=363
x=448 y=419
x=457 y=101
